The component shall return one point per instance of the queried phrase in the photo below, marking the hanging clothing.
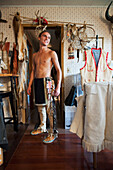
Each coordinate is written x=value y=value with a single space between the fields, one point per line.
x=14 y=60
x=77 y=125
x=96 y=67
x=22 y=70
x=95 y=116
x=109 y=119
x=93 y=120
x=22 y=43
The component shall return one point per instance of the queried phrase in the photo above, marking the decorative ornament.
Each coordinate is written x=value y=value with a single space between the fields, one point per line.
x=77 y=35
x=71 y=52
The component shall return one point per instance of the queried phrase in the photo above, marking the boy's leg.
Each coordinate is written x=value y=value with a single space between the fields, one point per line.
x=50 y=115
x=51 y=137
x=55 y=131
x=42 y=113
x=42 y=127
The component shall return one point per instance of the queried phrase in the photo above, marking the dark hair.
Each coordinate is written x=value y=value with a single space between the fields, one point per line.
x=43 y=32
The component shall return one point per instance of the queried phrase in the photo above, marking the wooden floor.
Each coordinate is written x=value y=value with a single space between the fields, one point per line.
x=27 y=152
x=13 y=141
x=65 y=153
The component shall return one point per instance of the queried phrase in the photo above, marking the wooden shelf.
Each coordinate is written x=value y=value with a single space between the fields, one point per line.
x=9 y=75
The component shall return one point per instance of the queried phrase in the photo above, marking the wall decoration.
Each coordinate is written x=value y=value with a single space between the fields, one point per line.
x=92 y=43
x=92 y=15
x=108 y=17
x=77 y=35
x=39 y=21
x=71 y=52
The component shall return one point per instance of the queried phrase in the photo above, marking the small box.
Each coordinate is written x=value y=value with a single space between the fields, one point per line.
x=69 y=115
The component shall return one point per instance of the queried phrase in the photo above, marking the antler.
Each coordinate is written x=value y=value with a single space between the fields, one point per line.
x=36 y=13
x=108 y=17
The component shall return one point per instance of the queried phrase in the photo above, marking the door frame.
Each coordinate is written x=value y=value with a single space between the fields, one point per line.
x=62 y=61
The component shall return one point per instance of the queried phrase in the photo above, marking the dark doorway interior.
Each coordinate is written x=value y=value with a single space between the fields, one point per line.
x=55 y=45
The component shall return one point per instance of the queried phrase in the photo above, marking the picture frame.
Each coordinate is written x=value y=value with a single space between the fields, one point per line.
x=92 y=43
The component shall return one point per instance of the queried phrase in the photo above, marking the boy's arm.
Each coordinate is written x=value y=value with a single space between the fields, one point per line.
x=31 y=76
x=59 y=73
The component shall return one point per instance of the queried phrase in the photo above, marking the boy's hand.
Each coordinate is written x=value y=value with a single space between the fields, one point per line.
x=29 y=91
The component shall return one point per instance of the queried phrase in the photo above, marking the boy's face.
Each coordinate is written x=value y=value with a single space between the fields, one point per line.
x=45 y=38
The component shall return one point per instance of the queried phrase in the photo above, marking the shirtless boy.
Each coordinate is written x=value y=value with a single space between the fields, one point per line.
x=43 y=61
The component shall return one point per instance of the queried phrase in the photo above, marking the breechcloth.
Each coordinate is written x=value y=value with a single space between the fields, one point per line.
x=44 y=91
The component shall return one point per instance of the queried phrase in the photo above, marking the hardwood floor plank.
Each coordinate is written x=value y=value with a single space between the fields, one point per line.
x=65 y=153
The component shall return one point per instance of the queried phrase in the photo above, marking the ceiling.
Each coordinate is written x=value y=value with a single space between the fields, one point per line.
x=91 y=3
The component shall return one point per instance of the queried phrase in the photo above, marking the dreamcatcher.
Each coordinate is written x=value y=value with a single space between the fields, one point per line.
x=78 y=35
x=77 y=38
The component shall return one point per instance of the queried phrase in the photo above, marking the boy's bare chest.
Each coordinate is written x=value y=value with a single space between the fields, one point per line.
x=43 y=59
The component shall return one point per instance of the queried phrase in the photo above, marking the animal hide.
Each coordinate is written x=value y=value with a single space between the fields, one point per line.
x=22 y=45
x=14 y=60
x=16 y=24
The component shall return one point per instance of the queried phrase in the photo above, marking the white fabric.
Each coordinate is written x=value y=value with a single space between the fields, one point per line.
x=22 y=76
x=42 y=111
x=95 y=116
x=77 y=124
x=95 y=123
x=109 y=119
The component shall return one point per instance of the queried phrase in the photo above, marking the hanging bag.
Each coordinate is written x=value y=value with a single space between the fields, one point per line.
x=70 y=99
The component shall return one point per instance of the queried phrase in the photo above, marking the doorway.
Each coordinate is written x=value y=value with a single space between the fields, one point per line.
x=55 y=45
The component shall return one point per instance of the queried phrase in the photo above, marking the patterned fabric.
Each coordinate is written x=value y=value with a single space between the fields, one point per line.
x=92 y=73
x=50 y=87
x=44 y=91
